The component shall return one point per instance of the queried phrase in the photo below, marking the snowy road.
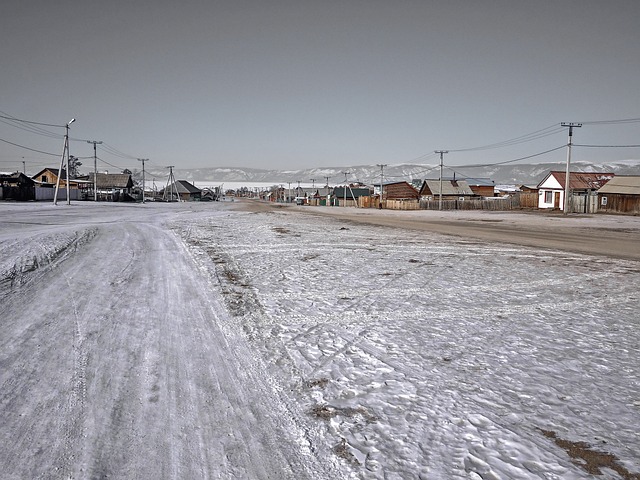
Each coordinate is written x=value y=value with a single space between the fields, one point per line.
x=203 y=341
x=113 y=363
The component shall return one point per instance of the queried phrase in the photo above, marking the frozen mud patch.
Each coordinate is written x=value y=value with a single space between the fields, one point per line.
x=22 y=259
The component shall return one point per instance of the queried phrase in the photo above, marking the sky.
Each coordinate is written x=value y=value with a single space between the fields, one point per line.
x=301 y=84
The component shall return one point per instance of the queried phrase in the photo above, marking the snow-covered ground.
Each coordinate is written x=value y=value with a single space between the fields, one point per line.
x=394 y=354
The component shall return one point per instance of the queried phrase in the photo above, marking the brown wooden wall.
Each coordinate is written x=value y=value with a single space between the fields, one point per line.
x=618 y=203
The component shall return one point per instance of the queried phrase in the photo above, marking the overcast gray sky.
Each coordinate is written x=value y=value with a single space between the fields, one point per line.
x=296 y=84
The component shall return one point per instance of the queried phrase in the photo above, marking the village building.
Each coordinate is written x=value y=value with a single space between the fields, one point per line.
x=621 y=194
x=482 y=187
x=16 y=186
x=451 y=190
x=45 y=183
x=186 y=192
x=48 y=177
x=346 y=196
x=110 y=187
x=398 y=191
x=581 y=184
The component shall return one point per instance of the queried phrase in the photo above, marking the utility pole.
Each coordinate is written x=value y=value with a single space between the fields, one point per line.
x=441 y=152
x=95 y=168
x=345 y=188
x=313 y=183
x=298 y=191
x=171 y=181
x=567 y=190
x=289 y=193
x=65 y=150
x=24 y=167
x=328 y=196
x=381 y=165
x=143 y=185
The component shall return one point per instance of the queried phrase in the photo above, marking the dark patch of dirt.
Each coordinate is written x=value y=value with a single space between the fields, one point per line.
x=589 y=459
x=326 y=412
x=320 y=382
x=342 y=451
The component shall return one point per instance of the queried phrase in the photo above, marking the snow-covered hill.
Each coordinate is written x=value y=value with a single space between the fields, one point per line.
x=530 y=173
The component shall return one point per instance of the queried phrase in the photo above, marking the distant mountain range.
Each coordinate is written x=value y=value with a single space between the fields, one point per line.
x=515 y=174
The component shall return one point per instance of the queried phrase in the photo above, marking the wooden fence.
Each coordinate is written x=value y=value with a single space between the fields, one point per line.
x=495 y=204
x=514 y=202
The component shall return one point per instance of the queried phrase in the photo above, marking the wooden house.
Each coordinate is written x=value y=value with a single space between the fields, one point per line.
x=187 y=192
x=399 y=191
x=451 y=190
x=621 y=194
x=48 y=177
x=349 y=196
x=551 y=188
x=16 y=186
x=482 y=187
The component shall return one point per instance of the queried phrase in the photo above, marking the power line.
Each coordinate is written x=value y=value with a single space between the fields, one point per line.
x=606 y=146
x=27 y=148
x=544 y=132
x=612 y=122
x=110 y=164
x=11 y=117
x=32 y=129
x=117 y=153
x=510 y=161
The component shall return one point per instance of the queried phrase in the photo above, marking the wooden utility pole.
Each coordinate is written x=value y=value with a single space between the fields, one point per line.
x=171 y=182
x=143 y=160
x=381 y=165
x=441 y=152
x=65 y=151
x=95 y=168
x=345 y=188
x=567 y=187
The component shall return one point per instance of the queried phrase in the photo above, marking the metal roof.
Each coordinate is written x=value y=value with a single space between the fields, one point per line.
x=112 y=180
x=182 y=186
x=449 y=187
x=625 y=185
x=581 y=180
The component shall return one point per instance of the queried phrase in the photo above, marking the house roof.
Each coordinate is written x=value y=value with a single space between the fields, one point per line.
x=479 y=182
x=351 y=192
x=449 y=187
x=625 y=185
x=16 y=178
x=112 y=180
x=63 y=172
x=182 y=186
x=580 y=180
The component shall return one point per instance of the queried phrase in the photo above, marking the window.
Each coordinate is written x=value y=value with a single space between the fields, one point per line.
x=548 y=197
x=44 y=179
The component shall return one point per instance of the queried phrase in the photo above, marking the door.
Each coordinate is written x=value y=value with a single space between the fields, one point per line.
x=556 y=200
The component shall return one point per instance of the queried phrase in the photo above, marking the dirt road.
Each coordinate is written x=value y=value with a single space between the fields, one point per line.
x=612 y=236
x=114 y=362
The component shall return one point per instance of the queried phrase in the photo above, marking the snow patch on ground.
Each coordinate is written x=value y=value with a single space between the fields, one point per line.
x=421 y=356
x=22 y=258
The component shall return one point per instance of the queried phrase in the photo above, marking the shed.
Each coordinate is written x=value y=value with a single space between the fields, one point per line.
x=621 y=194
